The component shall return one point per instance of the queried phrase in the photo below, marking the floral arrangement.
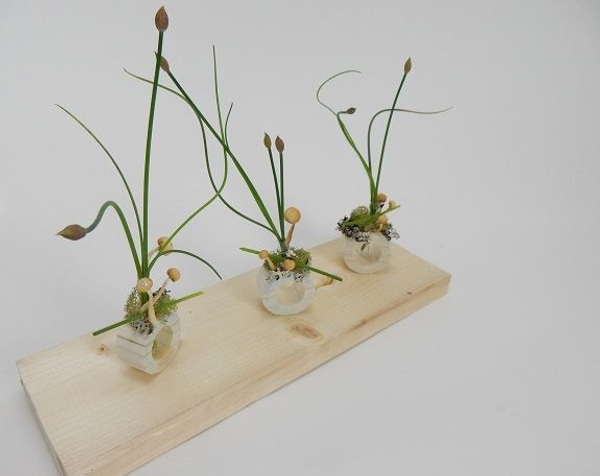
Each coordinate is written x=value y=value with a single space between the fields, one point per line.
x=285 y=260
x=364 y=220
x=144 y=308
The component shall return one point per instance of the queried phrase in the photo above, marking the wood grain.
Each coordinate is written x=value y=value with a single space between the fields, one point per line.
x=101 y=417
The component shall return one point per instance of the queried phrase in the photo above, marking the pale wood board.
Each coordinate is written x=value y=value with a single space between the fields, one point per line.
x=100 y=416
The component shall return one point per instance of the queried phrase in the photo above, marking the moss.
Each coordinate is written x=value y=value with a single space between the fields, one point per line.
x=164 y=307
x=361 y=223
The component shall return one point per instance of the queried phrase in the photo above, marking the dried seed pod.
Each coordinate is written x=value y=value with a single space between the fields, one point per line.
x=279 y=145
x=73 y=232
x=267 y=141
x=161 y=20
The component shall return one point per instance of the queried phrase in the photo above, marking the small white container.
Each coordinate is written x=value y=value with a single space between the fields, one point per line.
x=284 y=293
x=367 y=256
x=152 y=352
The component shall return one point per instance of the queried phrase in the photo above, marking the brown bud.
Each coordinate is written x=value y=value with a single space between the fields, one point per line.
x=407 y=66
x=350 y=110
x=174 y=274
x=267 y=141
x=264 y=254
x=381 y=197
x=382 y=220
x=161 y=20
x=73 y=232
x=279 y=145
x=164 y=65
x=292 y=215
x=393 y=204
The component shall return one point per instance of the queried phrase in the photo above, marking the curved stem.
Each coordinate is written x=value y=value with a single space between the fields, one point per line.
x=233 y=158
x=115 y=164
x=326 y=81
x=187 y=253
x=126 y=229
x=411 y=111
x=364 y=163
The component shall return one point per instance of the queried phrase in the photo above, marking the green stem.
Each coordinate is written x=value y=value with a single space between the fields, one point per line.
x=277 y=192
x=235 y=161
x=282 y=243
x=115 y=164
x=126 y=228
x=135 y=317
x=278 y=259
x=385 y=137
x=228 y=153
x=144 y=250
x=368 y=171
x=187 y=253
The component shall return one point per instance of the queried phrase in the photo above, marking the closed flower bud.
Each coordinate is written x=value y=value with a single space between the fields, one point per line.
x=382 y=220
x=144 y=285
x=73 y=232
x=161 y=20
x=393 y=204
x=289 y=264
x=267 y=141
x=407 y=66
x=279 y=145
x=173 y=274
x=381 y=197
x=164 y=65
x=350 y=110
x=292 y=215
x=264 y=254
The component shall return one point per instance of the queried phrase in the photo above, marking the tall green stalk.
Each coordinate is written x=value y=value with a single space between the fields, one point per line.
x=145 y=210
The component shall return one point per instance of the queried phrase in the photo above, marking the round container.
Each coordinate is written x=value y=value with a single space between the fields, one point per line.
x=284 y=292
x=367 y=256
x=150 y=352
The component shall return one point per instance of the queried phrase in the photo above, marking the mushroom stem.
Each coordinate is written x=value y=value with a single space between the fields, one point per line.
x=151 y=314
x=290 y=234
x=160 y=292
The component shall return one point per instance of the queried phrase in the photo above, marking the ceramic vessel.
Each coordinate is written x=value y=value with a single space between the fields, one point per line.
x=367 y=256
x=285 y=292
x=150 y=352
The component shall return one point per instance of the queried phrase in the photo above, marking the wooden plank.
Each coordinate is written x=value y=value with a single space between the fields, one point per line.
x=100 y=416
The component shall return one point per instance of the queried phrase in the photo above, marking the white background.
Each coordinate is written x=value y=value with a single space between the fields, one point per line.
x=500 y=377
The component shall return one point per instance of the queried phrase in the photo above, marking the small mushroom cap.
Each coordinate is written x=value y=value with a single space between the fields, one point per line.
x=264 y=254
x=144 y=285
x=289 y=264
x=381 y=197
x=164 y=244
x=173 y=274
x=292 y=215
